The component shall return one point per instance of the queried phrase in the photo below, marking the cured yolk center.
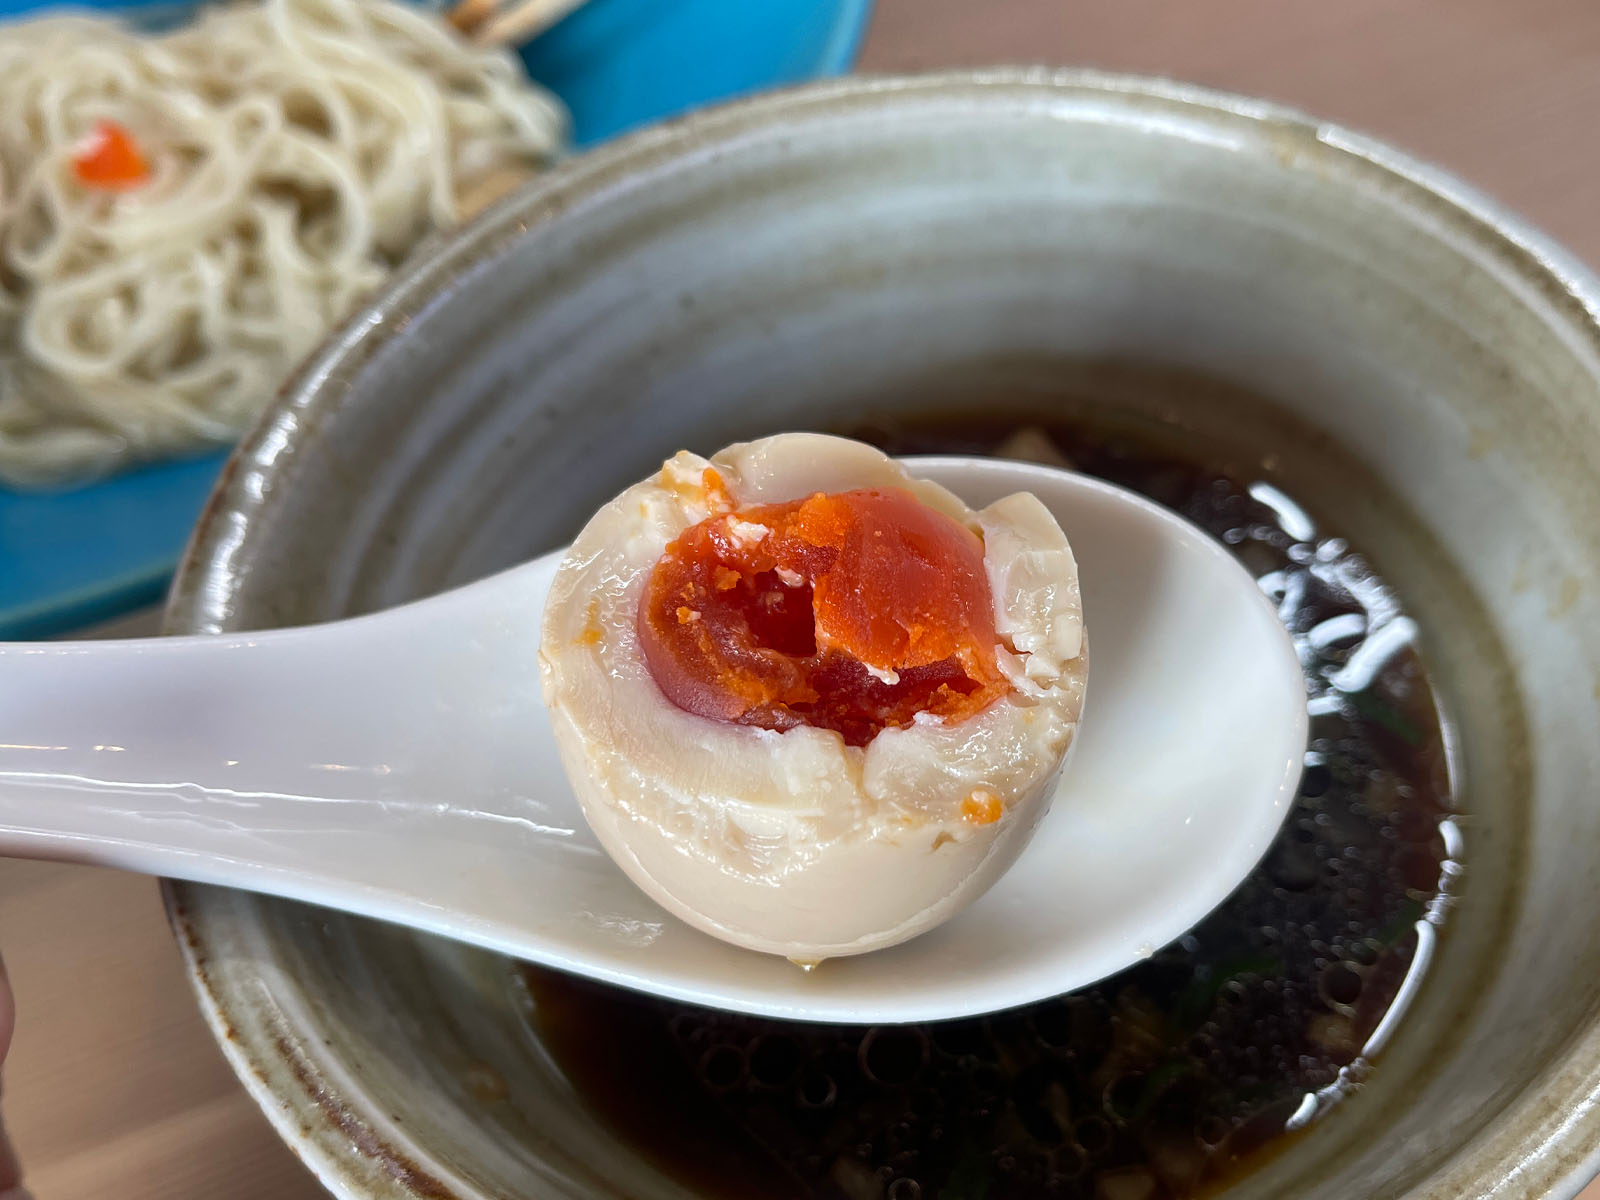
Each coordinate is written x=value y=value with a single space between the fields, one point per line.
x=851 y=611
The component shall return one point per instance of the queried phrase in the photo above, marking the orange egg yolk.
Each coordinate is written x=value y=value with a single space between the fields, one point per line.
x=851 y=611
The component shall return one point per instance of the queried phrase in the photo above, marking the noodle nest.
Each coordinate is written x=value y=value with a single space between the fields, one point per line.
x=297 y=150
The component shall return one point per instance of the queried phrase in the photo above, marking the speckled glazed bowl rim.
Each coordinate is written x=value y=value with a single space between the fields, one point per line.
x=1546 y=1143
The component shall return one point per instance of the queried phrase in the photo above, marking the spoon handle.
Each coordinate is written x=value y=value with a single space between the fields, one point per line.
x=280 y=761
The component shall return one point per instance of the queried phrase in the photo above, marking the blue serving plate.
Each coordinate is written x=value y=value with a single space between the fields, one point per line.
x=71 y=558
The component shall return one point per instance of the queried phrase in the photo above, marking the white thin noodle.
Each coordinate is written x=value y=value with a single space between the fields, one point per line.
x=298 y=150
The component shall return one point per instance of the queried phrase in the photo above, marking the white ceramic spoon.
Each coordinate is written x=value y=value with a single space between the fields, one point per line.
x=401 y=766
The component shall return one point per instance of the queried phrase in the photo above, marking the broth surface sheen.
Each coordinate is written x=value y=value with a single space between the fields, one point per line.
x=1162 y=1082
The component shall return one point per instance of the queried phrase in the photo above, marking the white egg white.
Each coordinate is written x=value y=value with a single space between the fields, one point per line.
x=794 y=843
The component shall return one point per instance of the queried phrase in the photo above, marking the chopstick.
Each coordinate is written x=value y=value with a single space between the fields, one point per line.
x=507 y=22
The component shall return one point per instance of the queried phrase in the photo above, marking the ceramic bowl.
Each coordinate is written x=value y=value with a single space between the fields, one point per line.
x=894 y=245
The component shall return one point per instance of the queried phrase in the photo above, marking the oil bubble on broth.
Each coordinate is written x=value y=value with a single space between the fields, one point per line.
x=1166 y=1080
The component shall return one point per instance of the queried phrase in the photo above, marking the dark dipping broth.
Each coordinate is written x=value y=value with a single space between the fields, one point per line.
x=1167 y=1080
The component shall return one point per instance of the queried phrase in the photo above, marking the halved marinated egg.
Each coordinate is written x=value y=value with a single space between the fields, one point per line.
x=810 y=704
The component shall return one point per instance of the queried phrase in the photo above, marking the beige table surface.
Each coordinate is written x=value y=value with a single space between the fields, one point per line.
x=114 y=1089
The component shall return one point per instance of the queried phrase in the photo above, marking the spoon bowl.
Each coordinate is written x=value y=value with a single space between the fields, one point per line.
x=400 y=766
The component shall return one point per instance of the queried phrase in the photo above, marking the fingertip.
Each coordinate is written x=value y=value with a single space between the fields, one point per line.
x=8 y=1017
